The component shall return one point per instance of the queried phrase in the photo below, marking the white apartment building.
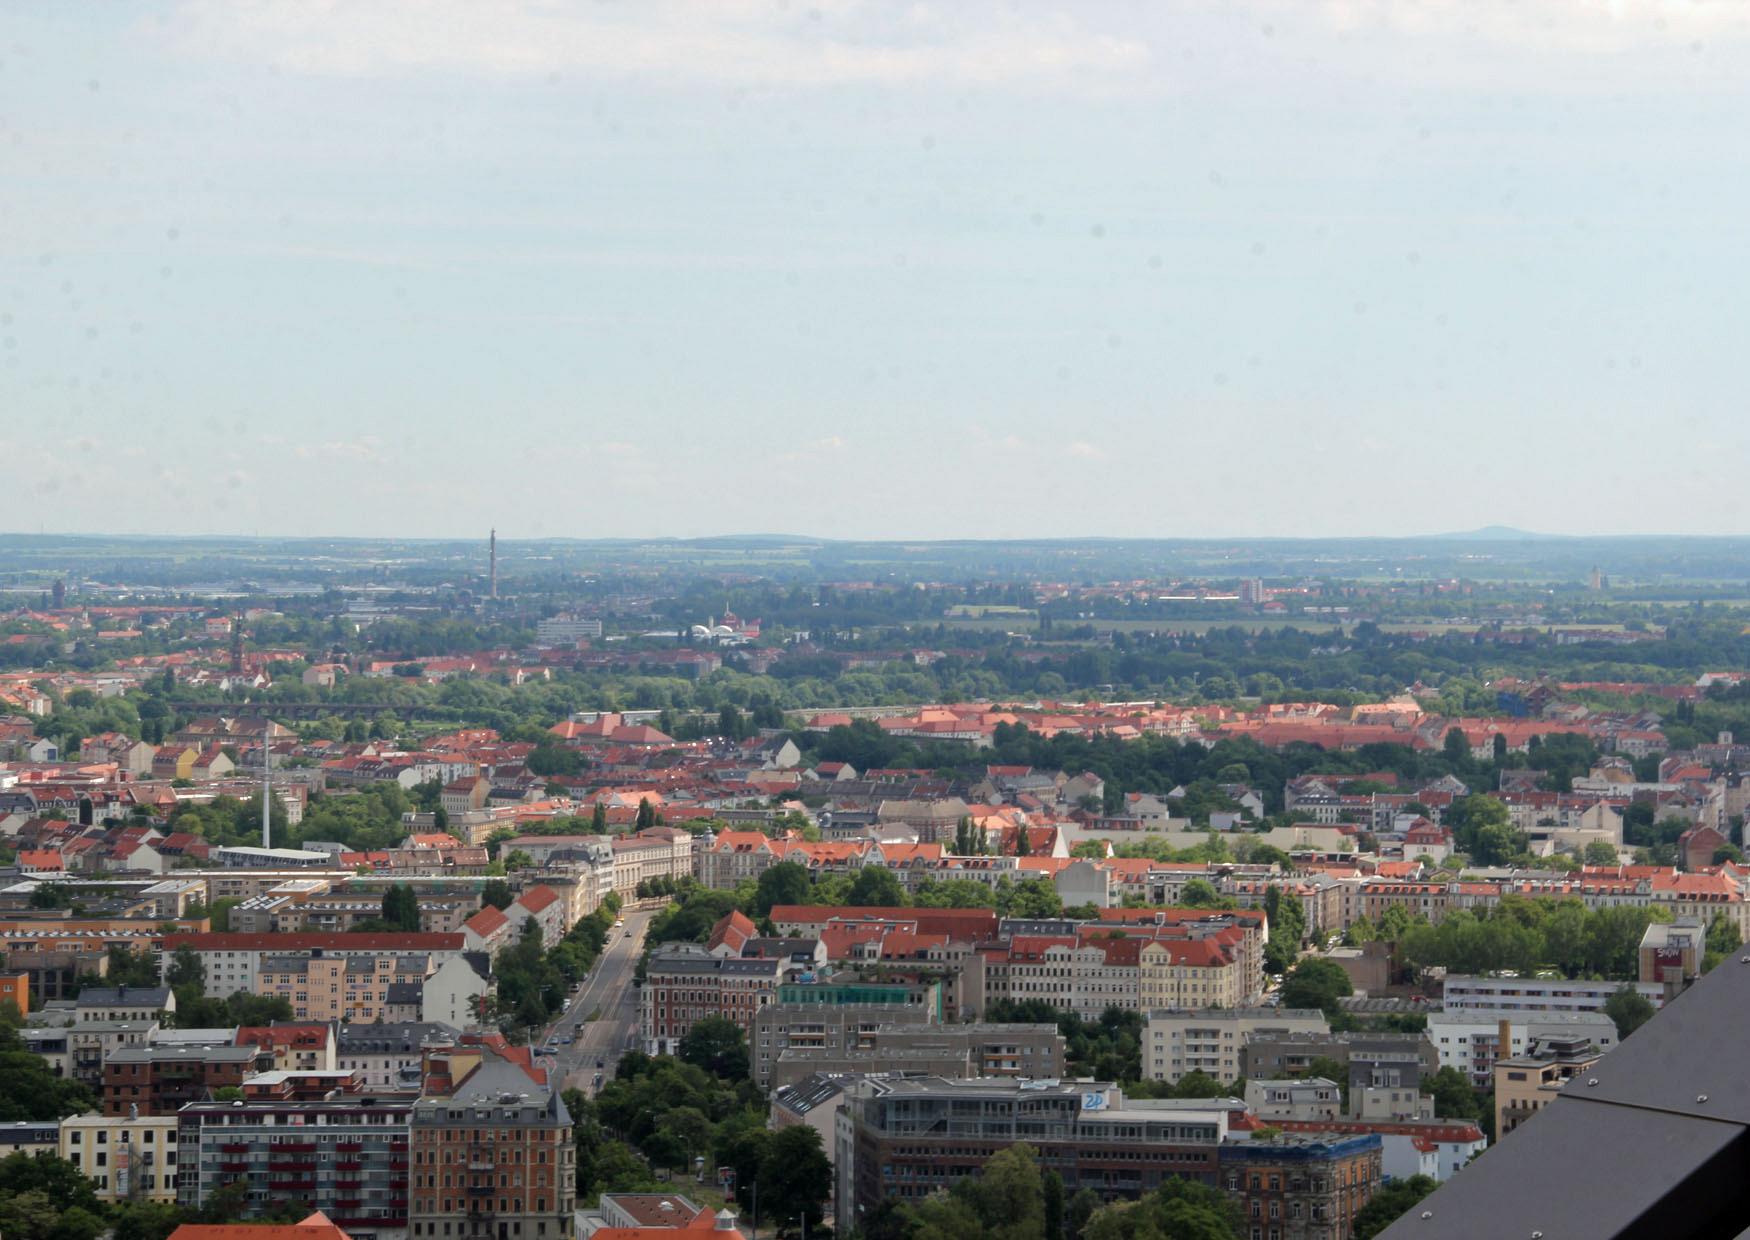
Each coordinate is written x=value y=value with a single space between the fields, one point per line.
x=1176 y=1043
x=1470 y=1041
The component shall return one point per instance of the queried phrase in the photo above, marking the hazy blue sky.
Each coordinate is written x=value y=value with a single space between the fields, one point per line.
x=850 y=268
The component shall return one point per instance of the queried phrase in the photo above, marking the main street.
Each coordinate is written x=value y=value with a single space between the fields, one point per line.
x=609 y=993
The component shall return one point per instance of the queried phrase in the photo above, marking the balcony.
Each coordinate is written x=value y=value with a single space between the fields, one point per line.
x=482 y=1164
x=480 y=1190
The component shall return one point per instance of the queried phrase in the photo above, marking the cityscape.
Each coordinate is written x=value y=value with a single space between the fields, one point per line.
x=874 y=620
x=600 y=897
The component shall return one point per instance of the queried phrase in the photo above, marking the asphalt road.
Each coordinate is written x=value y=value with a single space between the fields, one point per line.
x=609 y=991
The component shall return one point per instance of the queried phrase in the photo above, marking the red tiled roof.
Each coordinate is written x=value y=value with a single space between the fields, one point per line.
x=487 y=922
x=537 y=898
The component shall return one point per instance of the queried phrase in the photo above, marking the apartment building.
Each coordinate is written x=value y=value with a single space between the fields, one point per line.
x=1300 y=1186
x=273 y=913
x=93 y=1043
x=655 y=852
x=339 y=988
x=1472 y=1041
x=1190 y=974
x=1084 y=978
x=727 y=858
x=342 y=1151
x=232 y=961
x=1538 y=994
x=1306 y=1099
x=1210 y=1040
x=126 y=1157
x=493 y=1155
x=684 y=985
x=291 y=1047
x=389 y=1056
x=1264 y=1055
x=160 y=1079
x=133 y=1003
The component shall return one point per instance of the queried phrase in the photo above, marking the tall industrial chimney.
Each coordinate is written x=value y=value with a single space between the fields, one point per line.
x=492 y=543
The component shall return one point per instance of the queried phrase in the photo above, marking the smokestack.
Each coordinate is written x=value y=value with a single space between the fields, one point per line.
x=1504 y=1038
x=492 y=543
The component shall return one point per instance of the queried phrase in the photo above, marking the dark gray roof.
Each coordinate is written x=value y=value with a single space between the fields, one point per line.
x=1652 y=1141
x=124 y=996
x=389 y=1039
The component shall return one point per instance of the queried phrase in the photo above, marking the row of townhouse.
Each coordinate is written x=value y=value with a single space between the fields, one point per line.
x=1697 y=895
x=1132 y=959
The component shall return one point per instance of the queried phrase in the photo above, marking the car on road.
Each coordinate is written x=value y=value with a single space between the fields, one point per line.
x=565 y=1041
x=598 y=1079
x=600 y=1064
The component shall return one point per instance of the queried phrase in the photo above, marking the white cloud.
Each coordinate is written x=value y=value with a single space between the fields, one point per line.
x=1086 y=450
x=1568 y=25
x=672 y=42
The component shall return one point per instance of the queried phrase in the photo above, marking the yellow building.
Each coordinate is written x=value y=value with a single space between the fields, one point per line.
x=1525 y=1084
x=126 y=1159
x=1194 y=973
x=356 y=989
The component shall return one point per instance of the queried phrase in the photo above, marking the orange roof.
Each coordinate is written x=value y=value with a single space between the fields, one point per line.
x=537 y=898
x=488 y=921
x=316 y=1227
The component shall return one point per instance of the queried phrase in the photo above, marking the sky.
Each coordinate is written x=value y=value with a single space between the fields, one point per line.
x=857 y=269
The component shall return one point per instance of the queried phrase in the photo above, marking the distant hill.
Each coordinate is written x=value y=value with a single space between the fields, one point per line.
x=1497 y=533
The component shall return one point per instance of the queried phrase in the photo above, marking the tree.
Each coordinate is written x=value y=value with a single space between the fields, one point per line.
x=50 y=895
x=186 y=970
x=401 y=907
x=1389 y=1203
x=598 y=819
x=717 y=1045
x=795 y=1177
x=1722 y=940
x=646 y=814
x=1496 y=844
x=30 y=1091
x=1629 y=1010
x=1200 y=893
x=876 y=887
x=1454 y=1097
x=1009 y=1196
x=60 y=1181
x=146 y=1220
x=784 y=883
x=1598 y=852
x=1456 y=749
x=1316 y=983
x=1181 y=1209
x=497 y=893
